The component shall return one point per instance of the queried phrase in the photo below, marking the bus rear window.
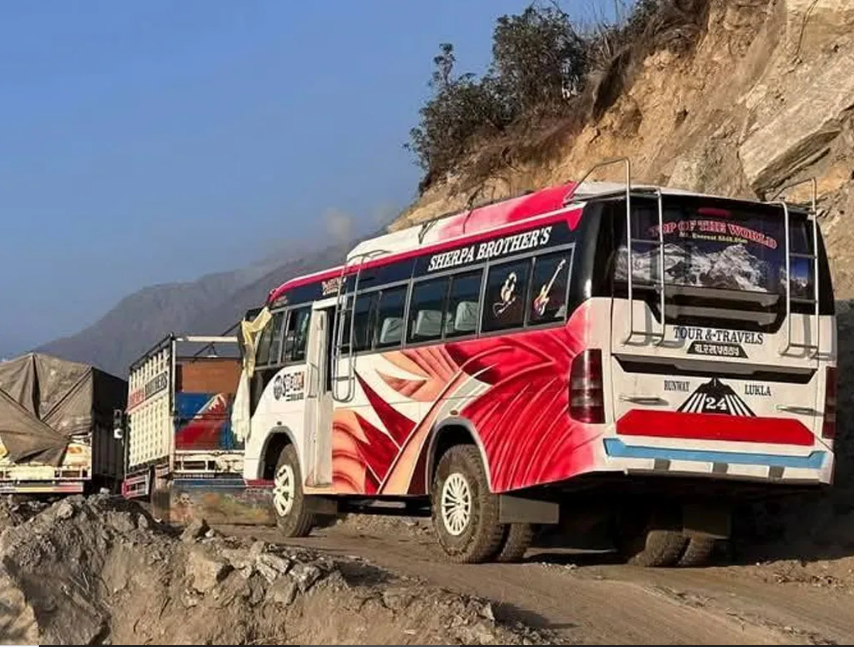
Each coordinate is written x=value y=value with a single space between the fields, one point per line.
x=718 y=245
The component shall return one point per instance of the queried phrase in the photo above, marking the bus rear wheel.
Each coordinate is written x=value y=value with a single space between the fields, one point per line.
x=645 y=539
x=465 y=512
x=698 y=552
x=289 y=502
x=517 y=540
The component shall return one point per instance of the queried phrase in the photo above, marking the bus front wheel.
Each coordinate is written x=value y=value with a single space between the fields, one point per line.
x=465 y=512
x=289 y=502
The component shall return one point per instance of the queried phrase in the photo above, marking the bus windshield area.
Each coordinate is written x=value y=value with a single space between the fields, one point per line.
x=718 y=245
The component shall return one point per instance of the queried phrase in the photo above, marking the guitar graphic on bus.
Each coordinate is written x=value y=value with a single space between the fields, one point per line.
x=541 y=302
x=543 y=297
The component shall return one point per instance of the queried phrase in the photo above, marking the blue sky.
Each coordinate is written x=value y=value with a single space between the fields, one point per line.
x=154 y=141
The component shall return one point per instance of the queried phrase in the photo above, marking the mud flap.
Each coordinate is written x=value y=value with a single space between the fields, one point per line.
x=519 y=509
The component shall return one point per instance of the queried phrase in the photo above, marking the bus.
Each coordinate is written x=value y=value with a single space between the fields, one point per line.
x=639 y=355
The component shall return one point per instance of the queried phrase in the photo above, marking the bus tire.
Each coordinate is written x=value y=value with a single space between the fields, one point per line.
x=289 y=504
x=698 y=552
x=518 y=539
x=656 y=549
x=465 y=512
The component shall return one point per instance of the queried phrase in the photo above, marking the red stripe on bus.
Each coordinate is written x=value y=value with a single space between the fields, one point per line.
x=709 y=426
x=523 y=213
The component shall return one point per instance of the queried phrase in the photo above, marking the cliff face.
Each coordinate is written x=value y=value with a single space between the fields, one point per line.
x=765 y=98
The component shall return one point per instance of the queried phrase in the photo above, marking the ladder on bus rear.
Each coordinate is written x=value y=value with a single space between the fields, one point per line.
x=815 y=302
x=657 y=337
x=341 y=311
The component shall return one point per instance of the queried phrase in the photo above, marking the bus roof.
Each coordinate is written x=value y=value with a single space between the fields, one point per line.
x=469 y=222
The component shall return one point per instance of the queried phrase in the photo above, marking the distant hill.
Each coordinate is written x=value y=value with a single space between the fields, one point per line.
x=209 y=306
x=142 y=319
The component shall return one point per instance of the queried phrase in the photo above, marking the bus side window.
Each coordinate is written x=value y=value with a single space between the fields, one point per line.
x=270 y=343
x=549 y=288
x=363 y=321
x=297 y=334
x=389 y=320
x=506 y=294
x=464 y=304
x=427 y=316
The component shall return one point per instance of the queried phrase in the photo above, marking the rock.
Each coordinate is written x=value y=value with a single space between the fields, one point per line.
x=487 y=612
x=796 y=133
x=267 y=572
x=122 y=522
x=396 y=600
x=256 y=591
x=195 y=531
x=64 y=510
x=279 y=564
x=258 y=548
x=190 y=599
x=305 y=575
x=237 y=558
x=205 y=571
x=483 y=634
x=143 y=523
x=233 y=587
x=283 y=592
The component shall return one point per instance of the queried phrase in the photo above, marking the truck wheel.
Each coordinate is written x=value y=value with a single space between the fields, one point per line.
x=698 y=552
x=518 y=538
x=465 y=512
x=288 y=497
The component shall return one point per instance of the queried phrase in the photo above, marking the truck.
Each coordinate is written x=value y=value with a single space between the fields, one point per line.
x=56 y=427
x=182 y=456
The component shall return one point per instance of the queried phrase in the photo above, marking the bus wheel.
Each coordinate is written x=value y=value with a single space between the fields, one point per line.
x=649 y=538
x=288 y=497
x=518 y=539
x=655 y=548
x=465 y=512
x=698 y=552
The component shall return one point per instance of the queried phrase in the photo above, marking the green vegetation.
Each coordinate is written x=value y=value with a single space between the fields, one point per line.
x=545 y=69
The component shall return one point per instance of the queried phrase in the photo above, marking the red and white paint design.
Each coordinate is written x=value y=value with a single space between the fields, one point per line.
x=512 y=389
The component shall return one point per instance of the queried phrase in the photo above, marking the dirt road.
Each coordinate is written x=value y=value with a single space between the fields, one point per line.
x=586 y=599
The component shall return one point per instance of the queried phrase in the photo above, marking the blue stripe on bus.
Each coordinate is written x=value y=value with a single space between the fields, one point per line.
x=618 y=449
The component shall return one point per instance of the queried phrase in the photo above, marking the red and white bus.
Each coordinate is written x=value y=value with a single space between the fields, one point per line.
x=502 y=369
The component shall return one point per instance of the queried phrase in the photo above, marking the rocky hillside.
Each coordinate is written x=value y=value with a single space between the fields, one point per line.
x=102 y=571
x=764 y=98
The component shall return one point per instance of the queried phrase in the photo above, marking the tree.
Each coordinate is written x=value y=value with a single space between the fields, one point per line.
x=538 y=60
x=461 y=109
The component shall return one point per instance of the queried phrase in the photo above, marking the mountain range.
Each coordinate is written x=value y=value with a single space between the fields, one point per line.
x=209 y=306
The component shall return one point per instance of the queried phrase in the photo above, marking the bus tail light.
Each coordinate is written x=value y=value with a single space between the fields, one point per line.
x=828 y=429
x=586 y=394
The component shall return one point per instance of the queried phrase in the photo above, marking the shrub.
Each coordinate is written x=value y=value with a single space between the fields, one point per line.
x=541 y=72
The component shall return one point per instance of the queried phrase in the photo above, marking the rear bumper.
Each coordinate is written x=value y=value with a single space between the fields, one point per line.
x=813 y=468
x=43 y=487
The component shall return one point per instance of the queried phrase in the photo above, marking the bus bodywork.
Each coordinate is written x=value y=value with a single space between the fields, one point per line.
x=183 y=456
x=503 y=365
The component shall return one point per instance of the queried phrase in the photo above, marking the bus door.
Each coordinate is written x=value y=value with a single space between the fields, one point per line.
x=318 y=402
x=705 y=324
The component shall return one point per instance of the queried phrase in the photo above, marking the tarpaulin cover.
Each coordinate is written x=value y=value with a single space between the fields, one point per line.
x=45 y=401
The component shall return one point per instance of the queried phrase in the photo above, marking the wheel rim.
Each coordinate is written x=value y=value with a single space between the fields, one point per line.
x=456 y=504
x=284 y=490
